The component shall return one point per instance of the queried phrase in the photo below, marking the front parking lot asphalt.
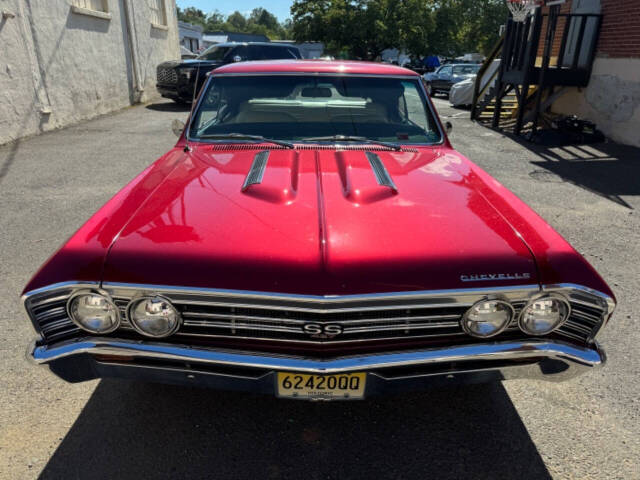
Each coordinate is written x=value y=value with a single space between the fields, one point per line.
x=586 y=428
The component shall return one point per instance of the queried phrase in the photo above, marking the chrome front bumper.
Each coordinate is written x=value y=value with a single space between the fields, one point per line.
x=95 y=357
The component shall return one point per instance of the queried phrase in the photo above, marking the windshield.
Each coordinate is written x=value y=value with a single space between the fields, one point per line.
x=465 y=69
x=294 y=107
x=214 y=53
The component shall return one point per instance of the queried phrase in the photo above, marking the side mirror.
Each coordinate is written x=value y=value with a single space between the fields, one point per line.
x=177 y=126
x=237 y=58
x=448 y=127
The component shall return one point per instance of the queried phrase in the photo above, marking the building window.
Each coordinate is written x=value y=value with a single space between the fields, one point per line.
x=97 y=5
x=93 y=8
x=158 y=13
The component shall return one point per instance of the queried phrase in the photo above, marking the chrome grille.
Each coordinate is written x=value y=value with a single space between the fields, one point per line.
x=586 y=318
x=49 y=315
x=263 y=316
x=283 y=325
x=166 y=75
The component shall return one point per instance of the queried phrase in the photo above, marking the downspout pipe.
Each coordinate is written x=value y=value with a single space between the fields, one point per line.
x=131 y=36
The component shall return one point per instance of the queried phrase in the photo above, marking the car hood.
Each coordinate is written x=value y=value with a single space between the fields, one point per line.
x=191 y=62
x=320 y=223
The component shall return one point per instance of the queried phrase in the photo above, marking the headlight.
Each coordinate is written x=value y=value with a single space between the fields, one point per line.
x=154 y=316
x=487 y=318
x=188 y=72
x=544 y=314
x=93 y=312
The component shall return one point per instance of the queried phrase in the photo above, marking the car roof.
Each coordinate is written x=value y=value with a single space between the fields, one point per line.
x=315 y=66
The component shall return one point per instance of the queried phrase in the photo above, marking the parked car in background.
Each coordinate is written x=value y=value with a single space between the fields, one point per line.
x=314 y=235
x=444 y=77
x=461 y=93
x=178 y=79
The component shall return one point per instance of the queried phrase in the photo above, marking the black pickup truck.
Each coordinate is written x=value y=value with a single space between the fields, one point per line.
x=176 y=79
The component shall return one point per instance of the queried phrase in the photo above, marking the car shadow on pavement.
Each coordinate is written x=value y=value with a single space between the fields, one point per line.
x=609 y=169
x=169 y=106
x=140 y=430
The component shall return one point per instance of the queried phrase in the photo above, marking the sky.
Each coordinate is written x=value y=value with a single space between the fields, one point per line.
x=280 y=8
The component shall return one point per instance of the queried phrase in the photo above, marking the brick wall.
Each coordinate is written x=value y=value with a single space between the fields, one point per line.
x=620 y=35
x=557 y=40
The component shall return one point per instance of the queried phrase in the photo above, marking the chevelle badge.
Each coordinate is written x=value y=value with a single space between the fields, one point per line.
x=488 y=277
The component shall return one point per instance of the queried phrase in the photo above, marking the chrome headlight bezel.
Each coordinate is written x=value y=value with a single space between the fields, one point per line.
x=542 y=296
x=100 y=293
x=465 y=317
x=134 y=303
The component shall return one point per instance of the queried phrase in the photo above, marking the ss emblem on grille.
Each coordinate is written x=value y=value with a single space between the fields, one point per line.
x=320 y=330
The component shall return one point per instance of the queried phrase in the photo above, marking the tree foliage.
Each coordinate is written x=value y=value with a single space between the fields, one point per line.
x=259 y=21
x=364 y=28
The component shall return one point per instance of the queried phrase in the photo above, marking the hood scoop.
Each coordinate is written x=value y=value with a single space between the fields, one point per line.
x=379 y=170
x=272 y=176
x=256 y=172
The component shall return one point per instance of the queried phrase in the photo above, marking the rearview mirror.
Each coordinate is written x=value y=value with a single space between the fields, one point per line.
x=177 y=126
x=237 y=58
x=448 y=127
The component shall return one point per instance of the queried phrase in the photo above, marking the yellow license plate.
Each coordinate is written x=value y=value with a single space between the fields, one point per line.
x=341 y=386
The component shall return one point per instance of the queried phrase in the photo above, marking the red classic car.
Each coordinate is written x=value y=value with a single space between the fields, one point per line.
x=314 y=235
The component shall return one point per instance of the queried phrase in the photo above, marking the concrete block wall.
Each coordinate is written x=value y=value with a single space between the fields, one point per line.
x=59 y=67
x=612 y=98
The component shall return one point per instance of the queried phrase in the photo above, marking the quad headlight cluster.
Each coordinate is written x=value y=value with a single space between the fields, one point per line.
x=95 y=312
x=540 y=316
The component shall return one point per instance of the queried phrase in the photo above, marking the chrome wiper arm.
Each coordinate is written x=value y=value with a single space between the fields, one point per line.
x=242 y=136
x=351 y=138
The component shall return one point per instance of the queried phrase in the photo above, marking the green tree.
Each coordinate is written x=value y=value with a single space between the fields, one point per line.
x=236 y=22
x=364 y=28
x=260 y=21
x=192 y=15
x=215 y=22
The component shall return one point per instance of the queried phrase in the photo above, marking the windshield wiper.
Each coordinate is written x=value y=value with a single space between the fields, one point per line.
x=242 y=136
x=350 y=138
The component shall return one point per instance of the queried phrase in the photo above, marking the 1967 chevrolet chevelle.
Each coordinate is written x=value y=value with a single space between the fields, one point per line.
x=314 y=235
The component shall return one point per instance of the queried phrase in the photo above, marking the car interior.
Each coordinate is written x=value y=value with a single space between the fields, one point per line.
x=301 y=107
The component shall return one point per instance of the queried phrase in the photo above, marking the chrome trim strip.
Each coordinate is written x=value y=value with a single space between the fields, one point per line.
x=380 y=171
x=452 y=294
x=298 y=342
x=608 y=304
x=206 y=319
x=56 y=286
x=231 y=325
x=608 y=301
x=72 y=284
x=256 y=172
x=591 y=357
x=293 y=308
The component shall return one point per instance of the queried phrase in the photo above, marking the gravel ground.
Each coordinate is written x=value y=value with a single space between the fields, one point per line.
x=585 y=428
